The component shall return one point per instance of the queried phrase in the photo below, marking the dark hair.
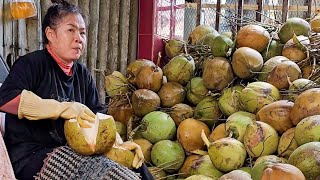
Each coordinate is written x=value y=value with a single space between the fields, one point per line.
x=55 y=13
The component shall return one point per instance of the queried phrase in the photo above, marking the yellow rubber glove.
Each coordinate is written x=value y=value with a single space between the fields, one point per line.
x=33 y=107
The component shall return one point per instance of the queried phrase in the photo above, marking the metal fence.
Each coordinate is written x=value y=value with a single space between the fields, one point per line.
x=177 y=18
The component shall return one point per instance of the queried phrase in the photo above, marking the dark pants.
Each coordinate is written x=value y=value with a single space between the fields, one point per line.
x=36 y=162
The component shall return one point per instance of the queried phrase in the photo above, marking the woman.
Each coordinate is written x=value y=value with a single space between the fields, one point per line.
x=45 y=88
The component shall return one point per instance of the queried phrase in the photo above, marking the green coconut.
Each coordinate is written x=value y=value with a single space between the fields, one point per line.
x=180 y=69
x=95 y=140
x=292 y=26
x=199 y=33
x=229 y=100
x=308 y=130
x=270 y=158
x=274 y=49
x=269 y=65
x=157 y=126
x=217 y=73
x=246 y=169
x=157 y=173
x=307 y=158
x=208 y=38
x=236 y=174
x=208 y=111
x=199 y=177
x=196 y=90
x=237 y=123
x=287 y=143
x=221 y=46
x=116 y=84
x=204 y=166
x=168 y=155
x=256 y=95
x=297 y=87
x=174 y=47
x=257 y=170
x=293 y=52
x=121 y=129
x=260 y=139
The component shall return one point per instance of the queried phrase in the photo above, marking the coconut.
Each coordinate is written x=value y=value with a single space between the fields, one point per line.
x=189 y=134
x=199 y=32
x=277 y=115
x=184 y=171
x=306 y=104
x=174 y=47
x=217 y=73
x=157 y=173
x=307 y=158
x=245 y=62
x=270 y=158
x=293 y=52
x=256 y=95
x=237 y=123
x=196 y=90
x=180 y=69
x=236 y=174
x=199 y=177
x=168 y=155
x=260 y=139
x=158 y=126
x=221 y=46
x=208 y=111
x=146 y=147
x=218 y=132
x=121 y=129
x=226 y=154
x=297 y=87
x=282 y=171
x=287 y=143
x=308 y=130
x=120 y=109
x=229 y=100
x=274 y=49
x=204 y=166
x=149 y=77
x=122 y=156
x=208 y=38
x=116 y=84
x=309 y=70
x=246 y=169
x=257 y=170
x=180 y=112
x=269 y=65
x=134 y=68
x=95 y=140
x=292 y=26
x=315 y=23
x=144 y=101
x=171 y=93
x=253 y=36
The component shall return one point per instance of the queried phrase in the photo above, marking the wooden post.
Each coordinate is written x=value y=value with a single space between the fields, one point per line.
x=103 y=33
x=133 y=30
x=22 y=37
x=113 y=36
x=309 y=4
x=199 y=8
x=1 y=28
x=8 y=36
x=124 y=34
x=93 y=36
x=218 y=12
x=285 y=7
x=84 y=6
x=260 y=10
x=240 y=14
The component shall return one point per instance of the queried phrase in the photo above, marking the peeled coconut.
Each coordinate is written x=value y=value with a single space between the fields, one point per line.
x=144 y=101
x=180 y=112
x=236 y=174
x=174 y=47
x=122 y=156
x=287 y=143
x=306 y=104
x=95 y=140
x=134 y=68
x=120 y=109
x=297 y=87
x=253 y=36
x=256 y=95
x=292 y=26
x=116 y=84
x=280 y=171
x=277 y=115
x=226 y=154
x=237 y=123
x=208 y=111
x=204 y=166
x=260 y=139
x=274 y=49
x=189 y=134
x=184 y=171
x=245 y=62
x=217 y=73
x=146 y=147
x=171 y=93
x=157 y=126
x=229 y=100
x=180 y=69
x=307 y=158
x=149 y=77
x=308 y=130
x=218 y=132
x=168 y=155
x=196 y=90
x=221 y=46
x=199 y=32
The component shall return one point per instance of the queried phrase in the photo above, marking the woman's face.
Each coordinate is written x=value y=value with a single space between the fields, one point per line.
x=68 y=39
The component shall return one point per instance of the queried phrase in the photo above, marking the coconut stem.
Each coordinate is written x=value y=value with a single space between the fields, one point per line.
x=205 y=139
